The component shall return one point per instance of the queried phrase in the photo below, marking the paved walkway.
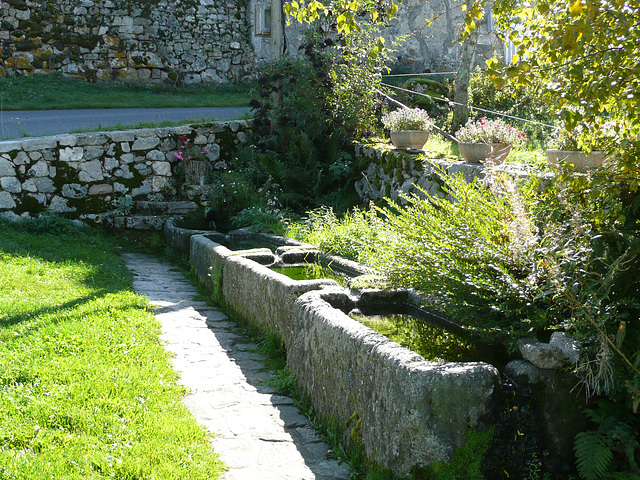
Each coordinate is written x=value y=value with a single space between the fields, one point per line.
x=257 y=433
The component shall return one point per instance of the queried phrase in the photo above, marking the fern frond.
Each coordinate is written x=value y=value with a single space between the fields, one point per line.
x=593 y=457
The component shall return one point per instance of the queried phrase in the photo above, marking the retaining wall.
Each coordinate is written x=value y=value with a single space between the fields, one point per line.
x=404 y=411
x=188 y=41
x=89 y=174
x=389 y=173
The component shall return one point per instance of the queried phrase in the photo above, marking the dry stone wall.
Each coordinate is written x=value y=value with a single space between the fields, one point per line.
x=390 y=173
x=191 y=41
x=87 y=175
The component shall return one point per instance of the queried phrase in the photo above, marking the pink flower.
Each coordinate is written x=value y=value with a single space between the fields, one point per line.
x=178 y=155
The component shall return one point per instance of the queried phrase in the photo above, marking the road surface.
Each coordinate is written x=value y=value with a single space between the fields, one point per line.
x=17 y=124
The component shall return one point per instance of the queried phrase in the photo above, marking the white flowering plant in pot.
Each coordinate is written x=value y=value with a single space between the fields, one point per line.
x=409 y=127
x=487 y=139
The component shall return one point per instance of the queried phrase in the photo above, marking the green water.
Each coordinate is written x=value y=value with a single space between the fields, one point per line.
x=433 y=343
x=313 y=271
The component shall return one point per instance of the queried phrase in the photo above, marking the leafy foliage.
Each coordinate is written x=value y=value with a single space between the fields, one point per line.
x=593 y=455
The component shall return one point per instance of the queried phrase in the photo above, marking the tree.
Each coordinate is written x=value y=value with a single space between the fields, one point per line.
x=469 y=40
x=586 y=55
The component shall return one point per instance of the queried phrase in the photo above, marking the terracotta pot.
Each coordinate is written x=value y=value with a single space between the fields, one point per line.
x=580 y=160
x=484 y=152
x=414 y=139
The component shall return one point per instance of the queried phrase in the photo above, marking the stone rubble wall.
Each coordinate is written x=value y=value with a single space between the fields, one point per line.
x=150 y=41
x=405 y=412
x=89 y=174
x=390 y=173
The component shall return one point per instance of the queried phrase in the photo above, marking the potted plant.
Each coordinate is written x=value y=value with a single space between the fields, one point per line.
x=487 y=140
x=567 y=147
x=408 y=127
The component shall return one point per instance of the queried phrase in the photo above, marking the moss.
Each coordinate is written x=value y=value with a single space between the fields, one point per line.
x=64 y=175
x=133 y=182
x=25 y=45
x=466 y=463
x=18 y=4
x=90 y=204
x=30 y=205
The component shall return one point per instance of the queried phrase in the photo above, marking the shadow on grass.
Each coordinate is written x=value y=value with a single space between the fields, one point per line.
x=101 y=270
x=8 y=321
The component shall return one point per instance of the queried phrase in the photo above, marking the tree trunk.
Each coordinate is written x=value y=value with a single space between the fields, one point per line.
x=461 y=94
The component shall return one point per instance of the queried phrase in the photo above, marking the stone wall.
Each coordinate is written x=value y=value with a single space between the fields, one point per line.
x=404 y=412
x=193 y=41
x=436 y=47
x=89 y=174
x=389 y=173
x=133 y=40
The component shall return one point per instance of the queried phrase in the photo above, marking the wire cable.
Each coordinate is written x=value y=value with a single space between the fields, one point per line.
x=418 y=74
x=451 y=103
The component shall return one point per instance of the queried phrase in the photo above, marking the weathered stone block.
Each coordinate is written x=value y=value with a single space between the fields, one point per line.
x=155 y=156
x=40 y=169
x=40 y=143
x=145 y=143
x=74 y=190
x=92 y=153
x=90 y=172
x=71 y=154
x=10 y=184
x=100 y=189
x=44 y=185
x=6 y=168
x=6 y=201
x=10 y=146
x=542 y=355
x=161 y=168
x=61 y=205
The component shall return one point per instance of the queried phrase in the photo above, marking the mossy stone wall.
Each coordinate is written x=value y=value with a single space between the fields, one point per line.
x=88 y=175
x=152 y=41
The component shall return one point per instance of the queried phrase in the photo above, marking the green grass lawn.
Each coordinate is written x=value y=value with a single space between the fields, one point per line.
x=86 y=390
x=53 y=92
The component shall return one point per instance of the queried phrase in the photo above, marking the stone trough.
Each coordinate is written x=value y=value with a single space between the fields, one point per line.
x=405 y=412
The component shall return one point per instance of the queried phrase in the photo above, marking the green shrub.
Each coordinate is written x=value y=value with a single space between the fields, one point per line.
x=466 y=463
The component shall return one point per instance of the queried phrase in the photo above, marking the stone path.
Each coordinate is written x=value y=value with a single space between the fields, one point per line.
x=257 y=433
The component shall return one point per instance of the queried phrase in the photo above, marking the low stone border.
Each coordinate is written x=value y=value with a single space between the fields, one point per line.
x=404 y=411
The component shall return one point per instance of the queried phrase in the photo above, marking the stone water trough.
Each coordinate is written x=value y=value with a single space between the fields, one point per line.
x=403 y=411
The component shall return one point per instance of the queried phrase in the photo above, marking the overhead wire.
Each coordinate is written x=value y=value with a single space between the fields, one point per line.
x=435 y=127
x=425 y=74
x=451 y=103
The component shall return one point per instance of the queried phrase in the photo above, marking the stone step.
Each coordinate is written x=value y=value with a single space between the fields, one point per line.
x=139 y=222
x=165 y=208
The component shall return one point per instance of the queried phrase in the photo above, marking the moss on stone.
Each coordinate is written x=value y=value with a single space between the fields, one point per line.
x=30 y=205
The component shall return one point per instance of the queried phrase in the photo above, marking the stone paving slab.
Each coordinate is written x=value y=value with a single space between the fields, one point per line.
x=257 y=433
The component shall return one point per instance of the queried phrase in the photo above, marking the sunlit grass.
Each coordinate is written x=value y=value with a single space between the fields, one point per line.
x=53 y=92
x=86 y=390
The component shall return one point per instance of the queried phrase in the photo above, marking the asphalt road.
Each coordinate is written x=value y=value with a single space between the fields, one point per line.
x=39 y=123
